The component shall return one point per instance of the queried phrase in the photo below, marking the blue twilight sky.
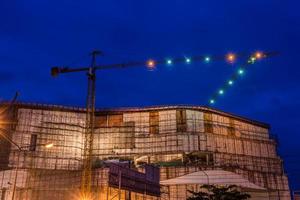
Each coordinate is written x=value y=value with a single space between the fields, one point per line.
x=35 y=35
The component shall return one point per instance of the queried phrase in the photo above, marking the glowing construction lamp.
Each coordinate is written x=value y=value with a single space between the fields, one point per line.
x=241 y=72
x=169 y=61
x=230 y=82
x=258 y=55
x=231 y=57
x=212 y=101
x=151 y=64
x=187 y=60
x=207 y=59
x=85 y=197
x=49 y=145
x=221 y=91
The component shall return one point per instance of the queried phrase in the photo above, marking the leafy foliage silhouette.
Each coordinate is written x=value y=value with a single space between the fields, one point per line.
x=213 y=192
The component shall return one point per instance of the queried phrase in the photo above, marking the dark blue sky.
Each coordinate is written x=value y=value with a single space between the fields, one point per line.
x=35 y=35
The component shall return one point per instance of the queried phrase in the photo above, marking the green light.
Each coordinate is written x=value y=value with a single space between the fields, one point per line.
x=169 y=62
x=252 y=60
x=207 y=59
x=187 y=60
x=230 y=82
x=241 y=71
x=221 y=91
x=212 y=101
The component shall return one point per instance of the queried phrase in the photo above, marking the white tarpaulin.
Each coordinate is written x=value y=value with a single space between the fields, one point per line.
x=213 y=177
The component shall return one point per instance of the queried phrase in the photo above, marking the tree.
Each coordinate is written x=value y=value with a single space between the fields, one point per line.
x=213 y=192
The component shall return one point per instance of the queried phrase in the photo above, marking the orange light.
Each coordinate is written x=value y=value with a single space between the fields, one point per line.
x=258 y=55
x=79 y=195
x=50 y=145
x=151 y=64
x=1 y=121
x=231 y=57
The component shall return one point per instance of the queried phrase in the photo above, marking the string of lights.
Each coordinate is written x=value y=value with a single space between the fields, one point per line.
x=230 y=58
x=252 y=59
x=151 y=64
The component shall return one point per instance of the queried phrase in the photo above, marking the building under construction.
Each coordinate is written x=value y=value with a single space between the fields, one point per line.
x=191 y=145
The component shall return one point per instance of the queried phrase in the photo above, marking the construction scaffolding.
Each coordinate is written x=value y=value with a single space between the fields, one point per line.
x=178 y=139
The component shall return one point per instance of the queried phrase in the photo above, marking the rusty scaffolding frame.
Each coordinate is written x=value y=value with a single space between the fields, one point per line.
x=179 y=139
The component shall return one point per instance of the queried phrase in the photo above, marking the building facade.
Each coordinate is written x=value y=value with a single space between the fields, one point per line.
x=181 y=140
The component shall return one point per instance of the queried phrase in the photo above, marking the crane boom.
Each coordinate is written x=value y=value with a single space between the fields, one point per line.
x=57 y=70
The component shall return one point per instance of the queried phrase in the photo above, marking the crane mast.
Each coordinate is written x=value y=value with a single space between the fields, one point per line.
x=89 y=131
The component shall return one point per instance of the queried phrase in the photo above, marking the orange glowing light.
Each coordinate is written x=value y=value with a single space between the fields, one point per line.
x=258 y=55
x=50 y=145
x=231 y=57
x=79 y=195
x=4 y=122
x=151 y=64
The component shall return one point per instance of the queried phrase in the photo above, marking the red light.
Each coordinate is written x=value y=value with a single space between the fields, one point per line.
x=151 y=64
x=231 y=57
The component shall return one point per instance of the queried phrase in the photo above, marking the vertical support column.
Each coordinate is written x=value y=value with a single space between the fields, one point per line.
x=120 y=183
x=89 y=133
